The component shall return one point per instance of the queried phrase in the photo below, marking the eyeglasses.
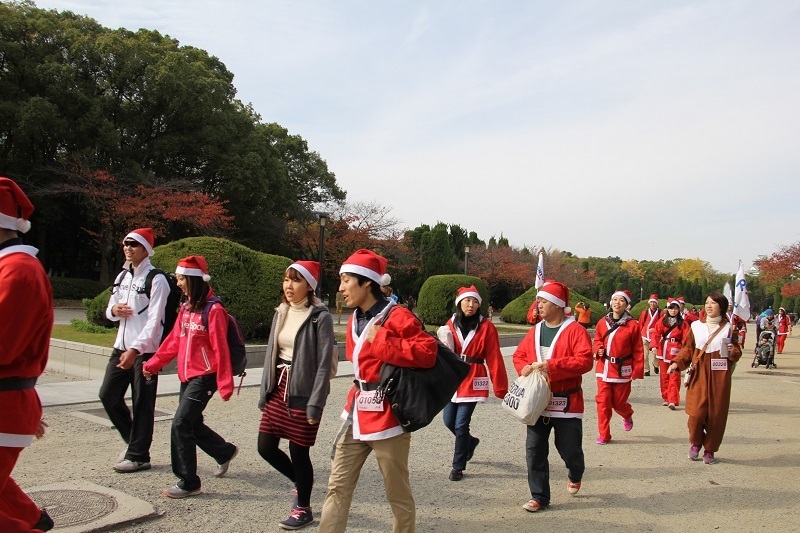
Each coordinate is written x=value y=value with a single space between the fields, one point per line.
x=131 y=244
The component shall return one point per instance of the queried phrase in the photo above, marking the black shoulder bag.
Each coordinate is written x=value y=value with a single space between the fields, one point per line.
x=417 y=395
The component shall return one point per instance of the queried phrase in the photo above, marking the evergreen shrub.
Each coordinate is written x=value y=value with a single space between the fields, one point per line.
x=247 y=281
x=437 y=296
x=75 y=288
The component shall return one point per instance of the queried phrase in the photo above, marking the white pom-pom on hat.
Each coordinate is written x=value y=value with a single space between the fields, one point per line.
x=206 y=278
x=386 y=279
x=23 y=226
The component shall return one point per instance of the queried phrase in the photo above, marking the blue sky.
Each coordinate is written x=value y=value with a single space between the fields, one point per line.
x=646 y=130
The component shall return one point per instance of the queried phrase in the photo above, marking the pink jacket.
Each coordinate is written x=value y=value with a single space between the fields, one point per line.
x=199 y=351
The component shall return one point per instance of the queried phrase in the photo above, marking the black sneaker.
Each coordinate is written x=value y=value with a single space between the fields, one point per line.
x=456 y=475
x=45 y=523
x=473 y=443
x=299 y=517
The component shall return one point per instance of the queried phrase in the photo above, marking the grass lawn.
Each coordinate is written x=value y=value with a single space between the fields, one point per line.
x=68 y=333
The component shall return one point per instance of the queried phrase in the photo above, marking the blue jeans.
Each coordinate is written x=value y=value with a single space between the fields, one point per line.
x=457 y=417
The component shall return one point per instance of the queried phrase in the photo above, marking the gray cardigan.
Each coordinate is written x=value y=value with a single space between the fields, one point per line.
x=314 y=361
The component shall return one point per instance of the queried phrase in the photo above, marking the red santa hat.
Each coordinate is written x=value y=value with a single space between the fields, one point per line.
x=680 y=300
x=309 y=270
x=673 y=301
x=194 y=265
x=653 y=298
x=15 y=208
x=556 y=293
x=145 y=237
x=623 y=293
x=467 y=292
x=368 y=264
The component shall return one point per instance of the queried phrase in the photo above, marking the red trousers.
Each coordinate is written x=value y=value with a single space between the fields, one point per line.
x=611 y=396
x=781 y=342
x=17 y=511
x=670 y=384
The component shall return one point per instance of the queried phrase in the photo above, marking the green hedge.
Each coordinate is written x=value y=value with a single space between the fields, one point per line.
x=637 y=309
x=437 y=296
x=516 y=312
x=247 y=281
x=75 y=288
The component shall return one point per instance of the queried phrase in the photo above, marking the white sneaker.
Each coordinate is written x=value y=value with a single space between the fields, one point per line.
x=127 y=466
x=222 y=469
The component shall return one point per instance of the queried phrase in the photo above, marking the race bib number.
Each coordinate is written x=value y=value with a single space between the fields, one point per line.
x=480 y=383
x=557 y=404
x=674 y=351
x=369 y=401
x=627 y=370
x=719 y=364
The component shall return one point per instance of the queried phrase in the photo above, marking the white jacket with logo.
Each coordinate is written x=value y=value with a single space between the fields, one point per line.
x=142 y=331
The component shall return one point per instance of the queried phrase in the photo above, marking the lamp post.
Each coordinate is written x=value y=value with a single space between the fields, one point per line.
x=323 y=218
x=466 y=258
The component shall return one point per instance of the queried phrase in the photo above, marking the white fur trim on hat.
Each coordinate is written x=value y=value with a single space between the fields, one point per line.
x=468 y=295
x=13 y=223
x=141 y=240
x=192 y=272
x=306 y=275
x=368 y=273
x=551 y=298
x=621 y=293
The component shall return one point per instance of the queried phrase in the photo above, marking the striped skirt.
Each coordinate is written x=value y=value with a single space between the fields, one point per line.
x=285 y=423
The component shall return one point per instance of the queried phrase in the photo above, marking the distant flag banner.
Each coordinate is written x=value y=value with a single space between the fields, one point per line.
x=726 y=292
x=740 y=297
x=540 y=272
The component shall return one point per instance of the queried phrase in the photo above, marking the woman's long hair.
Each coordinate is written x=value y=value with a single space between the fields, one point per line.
x=460 y=317
x=198 y=290
x=667 y=316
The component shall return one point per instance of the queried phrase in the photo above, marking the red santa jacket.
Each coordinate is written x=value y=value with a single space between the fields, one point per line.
x=481 y=348
x=569 y=358
x=200 y=351
x=26 y=320
x=783 y=325
x=667 y=340
x=623 y=359
x=648 y=320
x=400 y=341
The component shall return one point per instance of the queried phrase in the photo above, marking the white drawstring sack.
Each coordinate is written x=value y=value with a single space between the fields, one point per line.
x=528 y=397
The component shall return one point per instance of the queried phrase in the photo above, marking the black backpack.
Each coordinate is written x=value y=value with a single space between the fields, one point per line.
x=173 y=304
x=235 y=341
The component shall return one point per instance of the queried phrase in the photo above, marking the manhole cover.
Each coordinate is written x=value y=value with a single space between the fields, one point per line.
x=74 y=507
x=774 y=373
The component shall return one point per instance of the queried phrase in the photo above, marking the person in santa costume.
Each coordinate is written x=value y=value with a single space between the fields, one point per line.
x=141 y=324
x=476 y=340
x=784 y=328
x=378 y=332
x=668 y=336
x=295 y=384
x=561 y=348
x=200 y=342
x=26 y=308
x=712 y=352
x=619 y=352
x=647 y=321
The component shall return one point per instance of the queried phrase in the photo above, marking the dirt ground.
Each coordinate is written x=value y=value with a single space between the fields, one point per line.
x=642 y=481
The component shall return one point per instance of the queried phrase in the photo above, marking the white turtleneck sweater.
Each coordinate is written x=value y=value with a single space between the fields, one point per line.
x=297 y=314
x=713 y=323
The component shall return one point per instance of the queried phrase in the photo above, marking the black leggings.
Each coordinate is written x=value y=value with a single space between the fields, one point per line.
x=299 y=469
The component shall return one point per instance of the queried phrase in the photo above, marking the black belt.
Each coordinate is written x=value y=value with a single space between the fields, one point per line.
x=672 y=339
x=617 y=360
x=367 y=385
x=469 y=359
x=7 y=384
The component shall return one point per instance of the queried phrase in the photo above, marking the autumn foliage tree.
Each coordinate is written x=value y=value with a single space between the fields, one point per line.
x=114 y=206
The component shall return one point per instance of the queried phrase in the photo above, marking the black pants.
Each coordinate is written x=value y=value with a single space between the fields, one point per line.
x=569 y=443
x=136 y=430
x=189 y=431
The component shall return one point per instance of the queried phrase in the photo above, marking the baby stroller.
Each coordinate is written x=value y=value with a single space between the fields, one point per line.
x=765 y=350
